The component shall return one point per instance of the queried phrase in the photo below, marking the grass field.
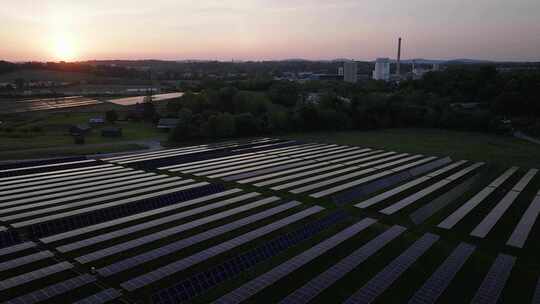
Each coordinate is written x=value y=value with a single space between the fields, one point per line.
x=39 y=135
x=501 y=150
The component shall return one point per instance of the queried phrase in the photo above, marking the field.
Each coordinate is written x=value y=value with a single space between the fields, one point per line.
x=496 y=149
x=270 y=220
x=39 y=135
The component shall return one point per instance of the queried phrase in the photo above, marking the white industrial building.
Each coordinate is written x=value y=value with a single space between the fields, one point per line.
x=350 y=71
x=382 y=69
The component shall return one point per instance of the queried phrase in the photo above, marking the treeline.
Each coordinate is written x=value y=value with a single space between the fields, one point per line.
x=257 y=107
x=97 y=70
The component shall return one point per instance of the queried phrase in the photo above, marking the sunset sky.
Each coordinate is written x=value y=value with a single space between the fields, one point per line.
x=268 y=29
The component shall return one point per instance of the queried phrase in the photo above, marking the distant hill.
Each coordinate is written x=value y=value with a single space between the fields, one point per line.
x=37 y=75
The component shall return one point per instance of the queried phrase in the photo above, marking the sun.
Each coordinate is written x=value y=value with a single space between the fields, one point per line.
x=64 y=49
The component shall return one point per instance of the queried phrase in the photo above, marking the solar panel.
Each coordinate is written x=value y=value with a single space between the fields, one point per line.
x=164 y=233
x=157 y=222
x=427 y=191
x=61 y=197
x=265 y=155
x=525 y=180
x=34 y=275
x=326 y=167
x=104 y=296
x=47 y=166
x=111 y=204
x=134 y=217
x=229 y=159
x=319 y=283
x=524 y=227
x=362 y=180
x=195 y=164
x=168 y=155
x=16 y=248
x=24 y=260
x=497 y=212
x=429 y=209
x=261 y=159
x=69 y=177
x=254 y=286
x=441 y=278
x=272 y=165
x=236 y=167
x=196 y=258
x=494 y=215
x=8 y=238
x=184 y=243
x=317 y=164
x=45 y=175
x=73 y=182
x=54 y=290
x=313 y=186
x=91 y=198
x=43 y=195
x=386 y=277
x=181 y=292
x=430 y=166
x=385 y=195
x=493 y=284
x=248 y=175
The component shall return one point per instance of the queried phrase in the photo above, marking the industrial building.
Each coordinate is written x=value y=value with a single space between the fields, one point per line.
x=350 y=71
x=382 y=69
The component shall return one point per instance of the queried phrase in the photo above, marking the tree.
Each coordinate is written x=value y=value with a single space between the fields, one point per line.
x=284 y=93
x=221 y=125
x=111 y=116
x=149 y=111
x=246 y=124
x=184 y=129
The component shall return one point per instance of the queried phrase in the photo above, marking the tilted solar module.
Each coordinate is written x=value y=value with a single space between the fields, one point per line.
x=386 y=277
x=175 y=267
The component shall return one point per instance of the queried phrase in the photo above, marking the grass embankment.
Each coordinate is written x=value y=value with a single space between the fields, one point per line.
x=496 y=149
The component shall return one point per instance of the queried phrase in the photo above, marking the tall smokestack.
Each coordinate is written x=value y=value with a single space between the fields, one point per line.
x=398 y=69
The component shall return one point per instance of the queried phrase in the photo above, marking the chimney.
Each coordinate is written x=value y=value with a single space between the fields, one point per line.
x=398 y=68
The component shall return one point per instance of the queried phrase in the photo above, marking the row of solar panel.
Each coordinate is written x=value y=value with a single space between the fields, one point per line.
x=231 y=167
x=181 y=244
x=8 y=238
x=26 y=164
x=489 y=290
x=205 y=280
x=162 y=157
x=100 y=213
x=17 y=171
x=196 y=258
x=173 y=151
x=208 y=155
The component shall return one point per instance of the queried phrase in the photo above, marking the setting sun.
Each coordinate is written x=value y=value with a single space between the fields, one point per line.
x=64 y=49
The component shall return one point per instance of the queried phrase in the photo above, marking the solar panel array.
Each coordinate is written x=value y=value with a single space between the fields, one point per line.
x=441 y=278
x=319 y=283
x=386 y=277
x=97 y=231
x=205 y=280
x=493 y=284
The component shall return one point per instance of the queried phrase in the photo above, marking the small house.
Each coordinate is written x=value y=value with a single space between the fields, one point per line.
x=167 y=123
x=79 y=130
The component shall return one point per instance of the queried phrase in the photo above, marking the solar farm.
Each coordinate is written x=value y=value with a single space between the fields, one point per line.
x=32 y=105
x=268 y=220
